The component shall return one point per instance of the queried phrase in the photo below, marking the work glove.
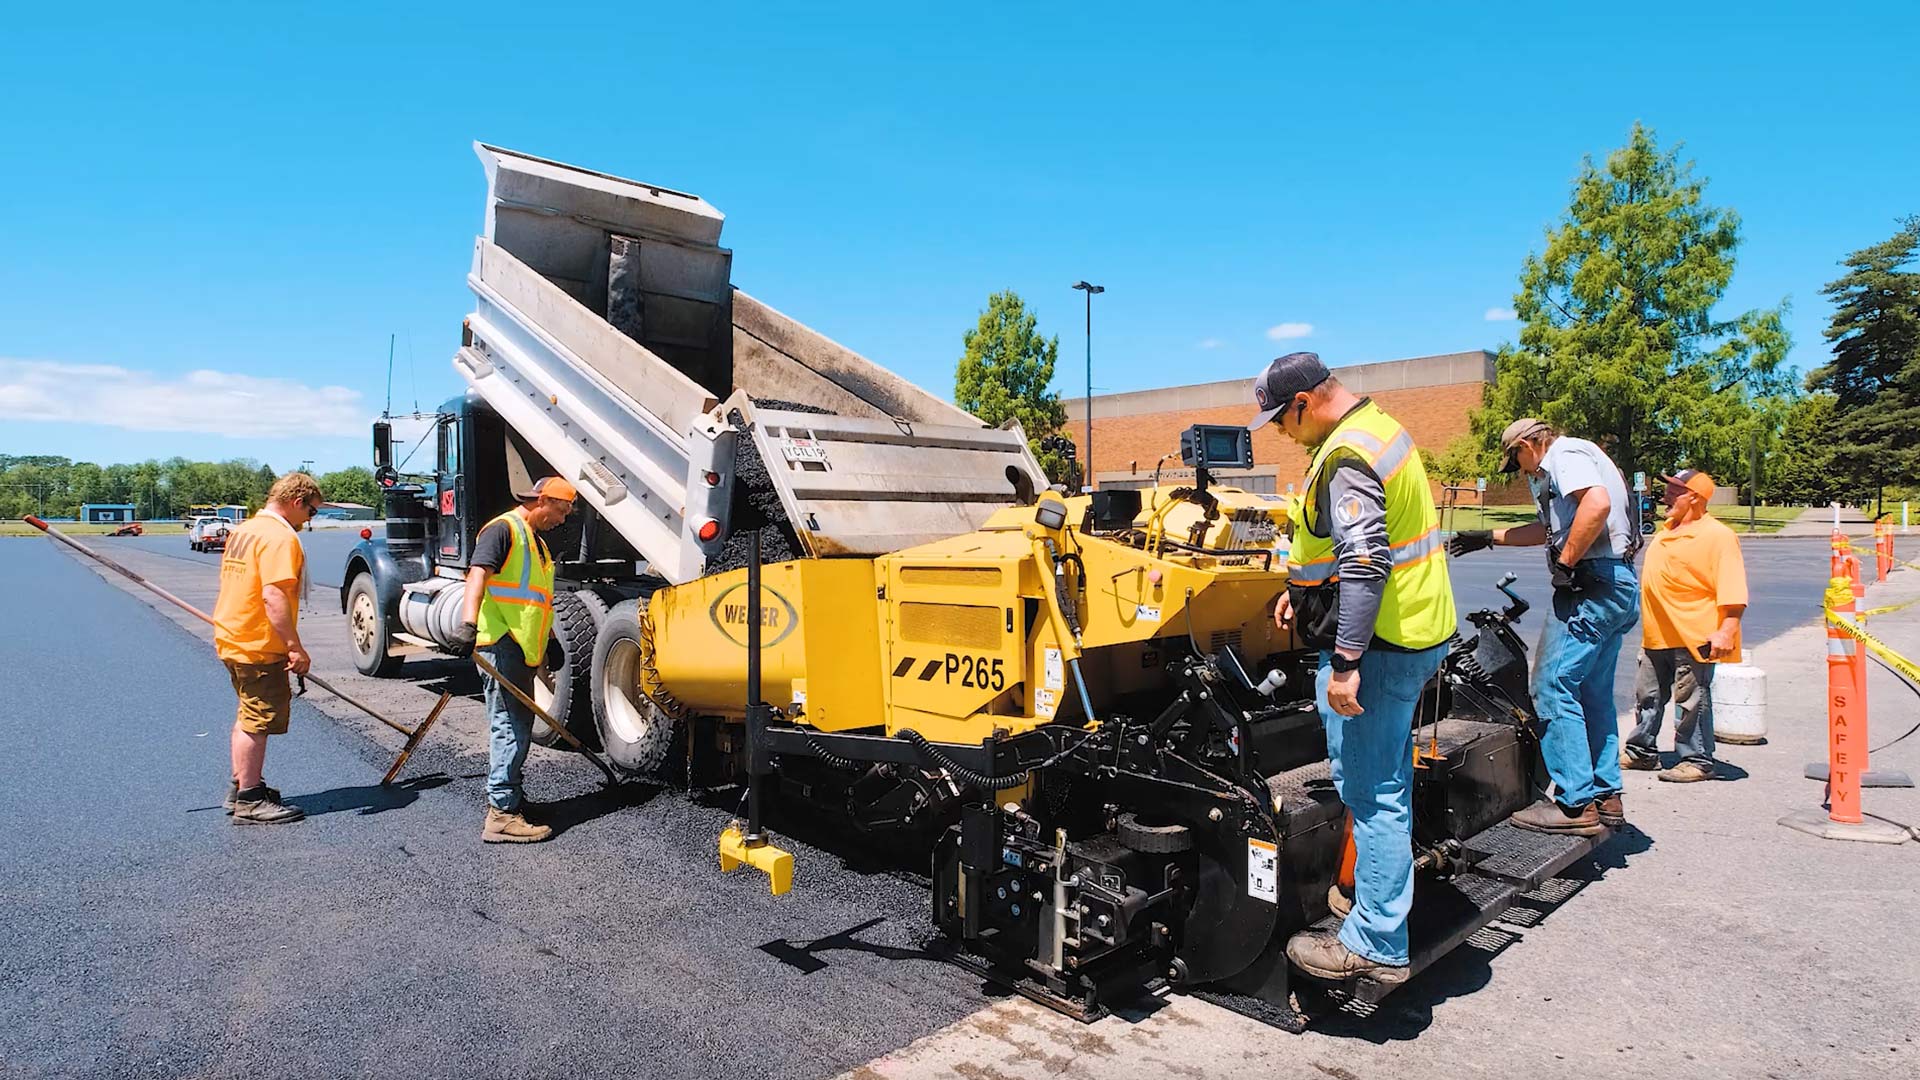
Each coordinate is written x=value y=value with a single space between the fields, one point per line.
x=1565 y=578
x=1469 y=540
x=463 y=638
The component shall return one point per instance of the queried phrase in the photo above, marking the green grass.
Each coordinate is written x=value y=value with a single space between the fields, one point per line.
x=21 y=528
x=1766 y=518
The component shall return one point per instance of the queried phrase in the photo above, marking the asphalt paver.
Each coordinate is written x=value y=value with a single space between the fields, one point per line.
x=145 y=935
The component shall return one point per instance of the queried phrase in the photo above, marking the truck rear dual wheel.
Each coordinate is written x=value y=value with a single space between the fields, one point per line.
x=635 y=733
x=564 y=684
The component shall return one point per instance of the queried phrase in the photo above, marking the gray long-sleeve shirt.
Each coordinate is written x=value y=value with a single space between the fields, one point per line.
x=1356 y=511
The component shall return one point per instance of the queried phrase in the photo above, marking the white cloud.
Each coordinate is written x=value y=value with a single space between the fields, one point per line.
x=1501 y=314
x=210 y=402
x=1287 y=330
x=1211 y=343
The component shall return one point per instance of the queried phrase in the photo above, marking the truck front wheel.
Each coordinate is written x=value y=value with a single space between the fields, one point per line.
x=368 y=629
x=564 y=684
x=635 y=733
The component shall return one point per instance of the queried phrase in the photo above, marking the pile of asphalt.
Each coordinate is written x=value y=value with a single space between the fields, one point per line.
x=146 y=936
x=756 y=506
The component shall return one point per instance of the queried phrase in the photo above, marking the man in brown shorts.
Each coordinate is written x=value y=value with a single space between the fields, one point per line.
x=256 y=632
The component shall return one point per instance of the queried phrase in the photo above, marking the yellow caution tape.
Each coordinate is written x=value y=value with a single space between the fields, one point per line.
x=1839 y=591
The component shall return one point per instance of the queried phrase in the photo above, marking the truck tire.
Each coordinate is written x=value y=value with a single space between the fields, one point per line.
x=369 y=630
x=564 y=684
x=634 y=731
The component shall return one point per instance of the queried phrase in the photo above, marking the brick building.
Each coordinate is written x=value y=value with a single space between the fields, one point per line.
x=1431 y=395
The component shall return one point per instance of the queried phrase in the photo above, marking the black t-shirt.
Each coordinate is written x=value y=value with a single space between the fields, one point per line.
x=495 y=542
x=491 y=548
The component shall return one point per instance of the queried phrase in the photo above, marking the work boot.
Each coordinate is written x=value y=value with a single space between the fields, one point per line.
x=1640 y=762
x=262 y=806
x=233 y=792
x=1339 y=901
x=1548 y=816
x=1612 y=810
x=1324 y=957
x=511 y=827
x=1687 y=772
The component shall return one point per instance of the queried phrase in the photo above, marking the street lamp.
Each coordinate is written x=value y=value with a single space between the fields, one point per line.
x=1086 y=477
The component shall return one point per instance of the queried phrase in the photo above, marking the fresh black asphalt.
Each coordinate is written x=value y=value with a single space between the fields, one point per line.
x=141 y=934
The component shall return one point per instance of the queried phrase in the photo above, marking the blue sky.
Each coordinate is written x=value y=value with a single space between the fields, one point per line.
x=211 y=222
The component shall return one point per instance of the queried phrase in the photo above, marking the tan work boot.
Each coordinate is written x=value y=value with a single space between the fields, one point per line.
x=1339 y=901
x=1687 y=772
x=1548 y=816
x=506 y=827
x=1612 y=810
x=262 y=806
x=1324 y=957
x=1641 y=762
x=233 y=795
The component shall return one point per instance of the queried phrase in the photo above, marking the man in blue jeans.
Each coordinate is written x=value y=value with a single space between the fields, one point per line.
x=1367 y=585
x=1586 y=523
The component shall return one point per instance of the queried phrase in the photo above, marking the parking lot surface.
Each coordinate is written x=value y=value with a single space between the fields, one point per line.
x=144 y=936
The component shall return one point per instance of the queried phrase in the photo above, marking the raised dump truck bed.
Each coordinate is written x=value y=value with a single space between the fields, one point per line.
x=607 y=333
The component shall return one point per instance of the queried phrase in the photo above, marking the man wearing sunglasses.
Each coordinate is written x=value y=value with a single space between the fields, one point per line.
x=509 y=616
x=1367 y=586
x=256 y=633
x=1693 y=591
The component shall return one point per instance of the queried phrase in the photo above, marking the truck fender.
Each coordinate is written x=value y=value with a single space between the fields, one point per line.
x=390 y=574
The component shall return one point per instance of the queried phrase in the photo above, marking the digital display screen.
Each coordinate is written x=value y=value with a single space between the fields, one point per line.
x=1223 y=445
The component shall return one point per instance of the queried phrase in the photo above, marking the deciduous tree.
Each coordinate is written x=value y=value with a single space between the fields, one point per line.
x=1619 y=340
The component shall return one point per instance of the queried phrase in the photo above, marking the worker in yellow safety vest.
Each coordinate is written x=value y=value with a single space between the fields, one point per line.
x=1367 y=585
x=509 y=616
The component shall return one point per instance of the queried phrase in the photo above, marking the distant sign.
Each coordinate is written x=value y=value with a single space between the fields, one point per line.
x=1480 y=485
x=1639 y=481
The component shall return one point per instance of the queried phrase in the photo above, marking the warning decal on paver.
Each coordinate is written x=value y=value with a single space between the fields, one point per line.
x=1054 y=679
x=1263 y=863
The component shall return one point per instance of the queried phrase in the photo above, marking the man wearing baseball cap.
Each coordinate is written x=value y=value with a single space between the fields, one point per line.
x=1591 y=539
x=509 y=615
x=1367 y=586
x=1693 y=591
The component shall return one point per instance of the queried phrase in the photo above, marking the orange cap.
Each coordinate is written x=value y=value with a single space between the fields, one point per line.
x=1695 y=481
x=549 y=487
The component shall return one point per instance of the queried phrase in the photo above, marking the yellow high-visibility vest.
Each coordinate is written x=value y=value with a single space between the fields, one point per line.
x=1416 y=611
x=519 y=598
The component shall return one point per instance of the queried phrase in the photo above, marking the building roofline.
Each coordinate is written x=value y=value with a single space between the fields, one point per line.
x=1444 y=369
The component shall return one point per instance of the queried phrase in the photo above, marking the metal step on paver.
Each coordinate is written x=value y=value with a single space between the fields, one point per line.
x=1524 y=857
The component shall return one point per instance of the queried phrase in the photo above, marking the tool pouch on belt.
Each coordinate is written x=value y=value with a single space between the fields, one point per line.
x=1316 y=613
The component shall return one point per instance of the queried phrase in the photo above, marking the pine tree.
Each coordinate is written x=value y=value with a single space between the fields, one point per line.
x=1875 y=373
x=1005 y=372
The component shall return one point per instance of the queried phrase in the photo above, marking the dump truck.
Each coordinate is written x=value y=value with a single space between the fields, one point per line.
x=788 y=565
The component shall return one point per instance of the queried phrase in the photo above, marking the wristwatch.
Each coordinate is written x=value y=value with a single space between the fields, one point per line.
x=1344 y=664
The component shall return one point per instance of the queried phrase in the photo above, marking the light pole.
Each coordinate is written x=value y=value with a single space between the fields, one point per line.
x=1086 y=476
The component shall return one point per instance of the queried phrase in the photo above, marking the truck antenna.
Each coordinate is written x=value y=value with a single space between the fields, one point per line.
x=388 y=411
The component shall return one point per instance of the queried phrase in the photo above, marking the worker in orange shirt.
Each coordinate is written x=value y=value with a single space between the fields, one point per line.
x=256 y=632
x=1693 y=591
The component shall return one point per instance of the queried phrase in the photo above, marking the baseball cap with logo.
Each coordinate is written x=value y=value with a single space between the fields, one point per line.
x=1525 y=427
x=548 y=487
x=1695 y=481
x=1294 y=373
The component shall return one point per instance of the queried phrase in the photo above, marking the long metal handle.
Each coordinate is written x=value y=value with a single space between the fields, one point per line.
x=198 y=614
x=483 y=664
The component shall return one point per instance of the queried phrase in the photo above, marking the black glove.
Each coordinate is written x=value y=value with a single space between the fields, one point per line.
x=1565 y=578
x=1469 y=540
x=463 y=638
